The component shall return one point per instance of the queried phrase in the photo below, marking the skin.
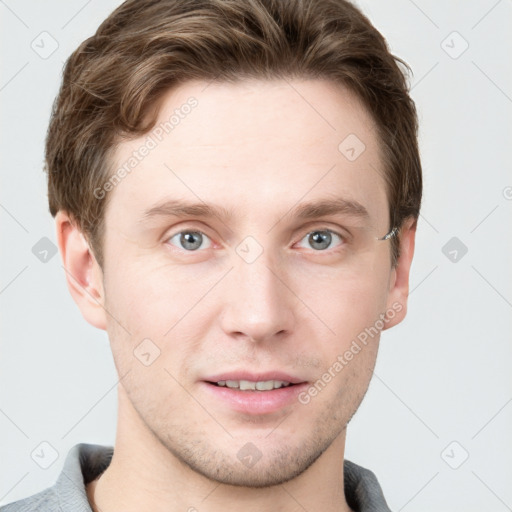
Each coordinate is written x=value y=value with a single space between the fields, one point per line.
x=294 y=309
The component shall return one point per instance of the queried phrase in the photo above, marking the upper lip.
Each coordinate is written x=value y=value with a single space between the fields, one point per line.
x=254 y=377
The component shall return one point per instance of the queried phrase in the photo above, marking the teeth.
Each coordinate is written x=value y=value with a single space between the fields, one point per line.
x=247 y=385
x=266 y=385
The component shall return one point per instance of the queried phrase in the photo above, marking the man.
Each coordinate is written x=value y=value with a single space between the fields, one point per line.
x=236 y=186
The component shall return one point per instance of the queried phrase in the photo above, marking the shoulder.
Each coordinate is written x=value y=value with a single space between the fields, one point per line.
x=45 y=500
x=84 y=462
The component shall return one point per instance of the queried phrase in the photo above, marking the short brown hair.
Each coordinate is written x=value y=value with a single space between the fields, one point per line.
x=145 y=47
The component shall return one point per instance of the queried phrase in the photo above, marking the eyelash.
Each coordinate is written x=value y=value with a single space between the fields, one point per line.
x=343 y=238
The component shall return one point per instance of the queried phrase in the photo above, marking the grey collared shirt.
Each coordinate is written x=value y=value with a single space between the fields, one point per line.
x=85 y=462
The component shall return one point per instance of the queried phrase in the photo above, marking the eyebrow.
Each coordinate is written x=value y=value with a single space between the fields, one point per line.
x=310 y=210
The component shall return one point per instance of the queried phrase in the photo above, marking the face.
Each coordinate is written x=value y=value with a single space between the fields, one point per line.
x=241 y=252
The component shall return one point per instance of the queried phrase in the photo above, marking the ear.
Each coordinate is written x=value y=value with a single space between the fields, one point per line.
x=399 y=279
x=83 y=274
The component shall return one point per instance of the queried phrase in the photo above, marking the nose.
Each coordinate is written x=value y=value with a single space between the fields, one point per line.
x=257 y=303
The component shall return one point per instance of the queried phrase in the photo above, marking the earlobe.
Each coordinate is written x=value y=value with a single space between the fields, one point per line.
x=83 y=274
x=399 y=284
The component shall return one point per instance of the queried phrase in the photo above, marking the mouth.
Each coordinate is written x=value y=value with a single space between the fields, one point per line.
x=247 y=385
x=254 y=394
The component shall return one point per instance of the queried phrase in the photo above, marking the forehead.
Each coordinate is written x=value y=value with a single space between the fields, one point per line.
x=253 y=146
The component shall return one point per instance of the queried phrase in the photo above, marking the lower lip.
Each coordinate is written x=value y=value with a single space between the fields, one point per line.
x=255 y=402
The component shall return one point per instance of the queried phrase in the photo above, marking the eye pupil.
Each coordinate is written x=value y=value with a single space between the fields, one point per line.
x=191 y=240
x=323 y=238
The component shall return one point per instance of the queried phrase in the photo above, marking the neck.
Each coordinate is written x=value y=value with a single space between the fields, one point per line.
x=144 y=474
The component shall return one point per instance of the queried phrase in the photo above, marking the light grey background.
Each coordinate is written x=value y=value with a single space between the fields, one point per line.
x=442 y=387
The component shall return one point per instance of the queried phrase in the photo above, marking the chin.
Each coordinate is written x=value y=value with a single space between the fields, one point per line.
x=249 y=467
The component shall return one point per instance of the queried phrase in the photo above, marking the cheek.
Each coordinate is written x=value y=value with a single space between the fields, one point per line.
x=153 y=310
x=135 y=319
x=348 y=356
x=348 y=303
x=146 y=297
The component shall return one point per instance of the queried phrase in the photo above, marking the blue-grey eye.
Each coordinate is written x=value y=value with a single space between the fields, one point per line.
x=190 y=240
x=321 y=239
